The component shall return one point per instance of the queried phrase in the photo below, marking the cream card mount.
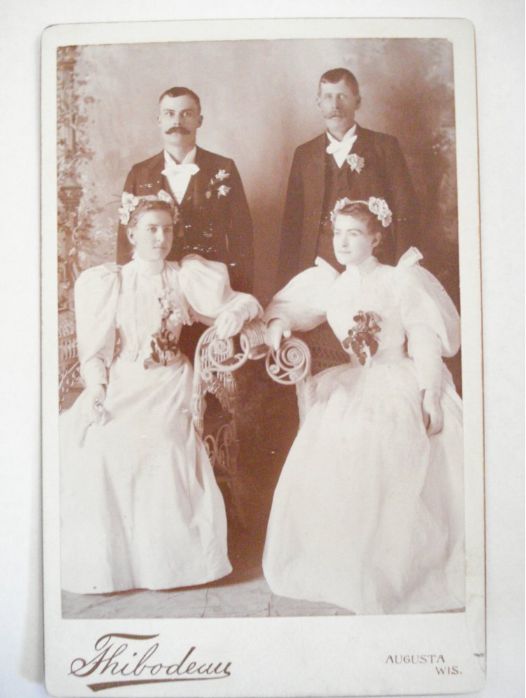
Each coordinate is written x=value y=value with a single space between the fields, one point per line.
x=236 y=635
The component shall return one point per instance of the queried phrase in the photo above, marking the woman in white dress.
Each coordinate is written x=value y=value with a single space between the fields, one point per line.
x=140 y=507
x=368 y=510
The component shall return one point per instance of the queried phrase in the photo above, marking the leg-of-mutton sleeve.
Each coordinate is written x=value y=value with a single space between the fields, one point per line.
x=302 y=303
x=430 y=320
x=96 y=297
x=206 y=287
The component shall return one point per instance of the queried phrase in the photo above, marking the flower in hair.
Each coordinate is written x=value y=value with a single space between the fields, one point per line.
x=165 y=196
x=129 y=203
x=338 y=206
x=381 y=210
x=376 y=206
x=355 y=162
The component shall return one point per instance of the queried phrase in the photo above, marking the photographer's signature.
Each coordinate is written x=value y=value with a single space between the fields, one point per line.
x=121 y=659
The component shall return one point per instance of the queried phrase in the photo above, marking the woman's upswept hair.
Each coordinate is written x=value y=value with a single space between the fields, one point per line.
x=146 y=205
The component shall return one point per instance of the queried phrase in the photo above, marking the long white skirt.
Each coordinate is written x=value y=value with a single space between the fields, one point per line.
x=368 y=510
x=140 y=507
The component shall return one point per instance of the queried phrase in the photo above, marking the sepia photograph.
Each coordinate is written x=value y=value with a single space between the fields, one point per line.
x=258 y=310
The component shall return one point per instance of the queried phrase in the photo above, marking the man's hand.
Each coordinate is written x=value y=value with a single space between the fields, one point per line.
x=432 y=412
x=228 y=324
x=274 y=334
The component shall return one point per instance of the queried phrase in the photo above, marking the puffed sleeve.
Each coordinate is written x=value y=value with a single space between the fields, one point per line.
x=206 y=287
x=96 y=296
x=301 y=304
x=430 y=320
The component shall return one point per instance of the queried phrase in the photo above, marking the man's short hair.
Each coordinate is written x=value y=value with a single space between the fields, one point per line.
x=336 y=74
x=180 y=92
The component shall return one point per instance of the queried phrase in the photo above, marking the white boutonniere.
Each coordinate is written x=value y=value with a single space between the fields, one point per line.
x=215 y=186
x=355 y=162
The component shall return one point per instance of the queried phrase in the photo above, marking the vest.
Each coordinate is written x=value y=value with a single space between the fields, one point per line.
x=337 y=186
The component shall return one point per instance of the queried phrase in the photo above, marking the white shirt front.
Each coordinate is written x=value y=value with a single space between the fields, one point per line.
x=340 y=149
x=179 y=174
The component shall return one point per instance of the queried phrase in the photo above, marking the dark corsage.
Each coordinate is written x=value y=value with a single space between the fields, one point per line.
x=164 y=345
x=361 y=339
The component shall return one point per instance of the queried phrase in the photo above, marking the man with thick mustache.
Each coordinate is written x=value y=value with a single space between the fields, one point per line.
x=345 y=161
x=214 y=218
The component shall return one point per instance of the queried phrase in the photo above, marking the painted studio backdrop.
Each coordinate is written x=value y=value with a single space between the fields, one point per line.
x=258 y=101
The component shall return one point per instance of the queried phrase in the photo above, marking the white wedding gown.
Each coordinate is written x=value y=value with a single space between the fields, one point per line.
x=140 y=507
x=368 y=510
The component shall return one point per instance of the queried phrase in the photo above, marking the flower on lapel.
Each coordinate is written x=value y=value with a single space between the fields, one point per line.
x=215 y=186
x=355 y=162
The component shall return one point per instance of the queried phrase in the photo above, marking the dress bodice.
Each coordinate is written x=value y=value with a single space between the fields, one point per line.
x=372 y=290
x=414 y=314
x=127 y=303
x=143 y=298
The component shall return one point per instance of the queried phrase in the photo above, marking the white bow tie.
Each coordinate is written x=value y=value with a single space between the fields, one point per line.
x=341 y=148
x=185 y=168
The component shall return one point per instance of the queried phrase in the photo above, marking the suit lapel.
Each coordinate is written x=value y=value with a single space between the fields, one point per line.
x=314 y=192
x=315 y=176
x=363 y=144
x=198 y=184
x=155 y=174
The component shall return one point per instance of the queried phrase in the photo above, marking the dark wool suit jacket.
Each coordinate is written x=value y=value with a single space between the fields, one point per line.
x=214 y=226
x=385 y=175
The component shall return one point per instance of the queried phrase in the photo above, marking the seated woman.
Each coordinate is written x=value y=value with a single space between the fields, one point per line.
x=140 y=507
x=368 y=510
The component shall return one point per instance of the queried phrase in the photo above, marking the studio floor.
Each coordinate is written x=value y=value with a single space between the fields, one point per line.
x=242 y=599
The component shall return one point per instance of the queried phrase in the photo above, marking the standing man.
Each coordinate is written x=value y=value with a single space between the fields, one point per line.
x=214 y=218
x=345 y=161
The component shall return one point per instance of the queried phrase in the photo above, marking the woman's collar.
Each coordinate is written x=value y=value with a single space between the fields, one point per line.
x=364 y=268
x=148 y=268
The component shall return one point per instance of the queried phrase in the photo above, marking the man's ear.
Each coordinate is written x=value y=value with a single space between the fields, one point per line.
x=358 y=101
x=201 y=119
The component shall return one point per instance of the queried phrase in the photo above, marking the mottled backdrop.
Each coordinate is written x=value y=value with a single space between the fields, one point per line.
x=258 y=100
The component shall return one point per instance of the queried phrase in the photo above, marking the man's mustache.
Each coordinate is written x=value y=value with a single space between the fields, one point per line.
x=178 y=129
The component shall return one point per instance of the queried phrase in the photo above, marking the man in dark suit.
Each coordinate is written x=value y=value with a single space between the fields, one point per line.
x=214 y=218
x=345 y=161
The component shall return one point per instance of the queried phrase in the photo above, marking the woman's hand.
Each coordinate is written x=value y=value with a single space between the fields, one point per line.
x=94 y=402
x=228 y=324
x=178 y=317
x=432 y=412
x=274 y=334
